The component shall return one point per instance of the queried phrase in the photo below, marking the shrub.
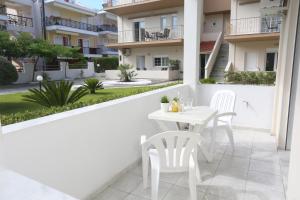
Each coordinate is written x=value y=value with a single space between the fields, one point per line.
x=27 y=115
x=127 y=73
x=93 y=84
x=208 y=81
x=8 y=72
x=106 y=63
x=164 y=99
x=55 y=94
x=254 y=78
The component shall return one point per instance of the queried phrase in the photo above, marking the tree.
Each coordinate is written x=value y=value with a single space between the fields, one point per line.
x=8 y=72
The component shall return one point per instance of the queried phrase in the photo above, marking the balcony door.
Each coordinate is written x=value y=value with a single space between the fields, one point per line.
x=271 y=61
x=86 y=46
x=251 y=59
x=140 y=62
x=139 y=31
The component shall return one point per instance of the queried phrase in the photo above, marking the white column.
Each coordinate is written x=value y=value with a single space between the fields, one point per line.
x=193 y=14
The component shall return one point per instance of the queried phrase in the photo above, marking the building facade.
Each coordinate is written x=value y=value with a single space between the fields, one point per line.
x=151 y=33
x=66 y=23
x=254 y=34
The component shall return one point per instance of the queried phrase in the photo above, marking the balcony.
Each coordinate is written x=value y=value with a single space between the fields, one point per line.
x=19 y=23
x=68 y=25
x=103 y=50
x=125 y=7
x=150 y=37
x=254 y=29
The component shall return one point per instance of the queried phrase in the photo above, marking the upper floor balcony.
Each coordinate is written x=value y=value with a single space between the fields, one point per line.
x=149 y=37
x=254 y=29
x=3 y=13
x=124 y=7
x=61 y=24
x=19 y=23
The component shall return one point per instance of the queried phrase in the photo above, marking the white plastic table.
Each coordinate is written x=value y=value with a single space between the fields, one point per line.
x=196 y=117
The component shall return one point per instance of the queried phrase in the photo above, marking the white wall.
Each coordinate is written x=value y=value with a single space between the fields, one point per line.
x=70 y=73
x=78 y=151
x=258 y=113
x=26 y=75
x=148 y=74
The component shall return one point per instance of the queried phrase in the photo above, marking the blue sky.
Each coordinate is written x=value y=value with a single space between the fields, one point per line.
x=94 y=4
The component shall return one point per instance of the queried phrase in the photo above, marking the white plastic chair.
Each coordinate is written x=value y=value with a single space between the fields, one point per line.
x=224 y=102
x=171 y=152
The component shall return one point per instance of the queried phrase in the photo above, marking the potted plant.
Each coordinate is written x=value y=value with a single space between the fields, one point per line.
x=164 y=104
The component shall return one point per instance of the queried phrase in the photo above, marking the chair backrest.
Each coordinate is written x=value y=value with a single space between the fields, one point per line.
x=174 y=148
x=223 y=101
x=166 y=32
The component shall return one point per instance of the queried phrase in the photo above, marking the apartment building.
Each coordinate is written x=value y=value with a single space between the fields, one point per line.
x=151 y=32
x=109 y=27
x=17 y=16
x=254 y=34
x=73 y=25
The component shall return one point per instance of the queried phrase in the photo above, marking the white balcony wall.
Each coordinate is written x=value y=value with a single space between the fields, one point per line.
x=254 y=104
x=79 y=151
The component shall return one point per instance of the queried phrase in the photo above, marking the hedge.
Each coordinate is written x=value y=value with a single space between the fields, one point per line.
x=252 y=78
x=7 y=119
x=208 y=81
x=106 y=63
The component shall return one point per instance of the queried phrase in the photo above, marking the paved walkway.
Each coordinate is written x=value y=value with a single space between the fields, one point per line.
x=255 y=171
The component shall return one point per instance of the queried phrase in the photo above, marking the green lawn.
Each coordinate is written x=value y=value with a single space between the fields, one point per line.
x=14 y=109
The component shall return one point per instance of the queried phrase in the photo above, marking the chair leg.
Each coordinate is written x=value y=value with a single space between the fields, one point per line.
x=145 y=163
x=154 y=183
x=230 y=137
x=192 y=183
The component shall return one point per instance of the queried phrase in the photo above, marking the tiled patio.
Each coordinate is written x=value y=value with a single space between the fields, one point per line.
x=255 y=171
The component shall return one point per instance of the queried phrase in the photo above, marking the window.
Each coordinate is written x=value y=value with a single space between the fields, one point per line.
x=58 y=40
x=163 y=22
x=161 y=61
x=174 y=21
x=66 y=41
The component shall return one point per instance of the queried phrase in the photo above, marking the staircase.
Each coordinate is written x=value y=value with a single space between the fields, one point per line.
x=220 y=64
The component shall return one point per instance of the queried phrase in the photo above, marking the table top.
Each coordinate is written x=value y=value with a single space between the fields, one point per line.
x=199 y=115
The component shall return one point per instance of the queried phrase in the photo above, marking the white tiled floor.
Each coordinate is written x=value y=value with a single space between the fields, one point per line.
x=254 y=171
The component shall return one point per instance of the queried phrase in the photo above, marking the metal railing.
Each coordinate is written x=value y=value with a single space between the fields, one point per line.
x=2 y=10
x=108 y=27
x=102 y=49
x=151 y=34
x=113 y=3
x=19 y=20
x=267 y=24
x=71 y=23
x=50 y=21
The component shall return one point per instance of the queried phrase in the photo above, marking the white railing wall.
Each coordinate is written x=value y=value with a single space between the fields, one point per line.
x=213 y=56
x=254 y=104
x=79 y=151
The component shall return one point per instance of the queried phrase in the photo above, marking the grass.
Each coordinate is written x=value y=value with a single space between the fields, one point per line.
x=14 y=109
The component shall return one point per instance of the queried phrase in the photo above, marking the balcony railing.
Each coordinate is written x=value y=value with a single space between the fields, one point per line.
x=20 y=20
x=151 y=34
x=108 y=27
x=268 y=24
x=112 y=3
x=2 y=10
x=102 y=49
x=50 y=21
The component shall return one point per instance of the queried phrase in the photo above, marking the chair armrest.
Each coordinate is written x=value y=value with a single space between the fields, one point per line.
x=143 y=139
x=225 y=114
